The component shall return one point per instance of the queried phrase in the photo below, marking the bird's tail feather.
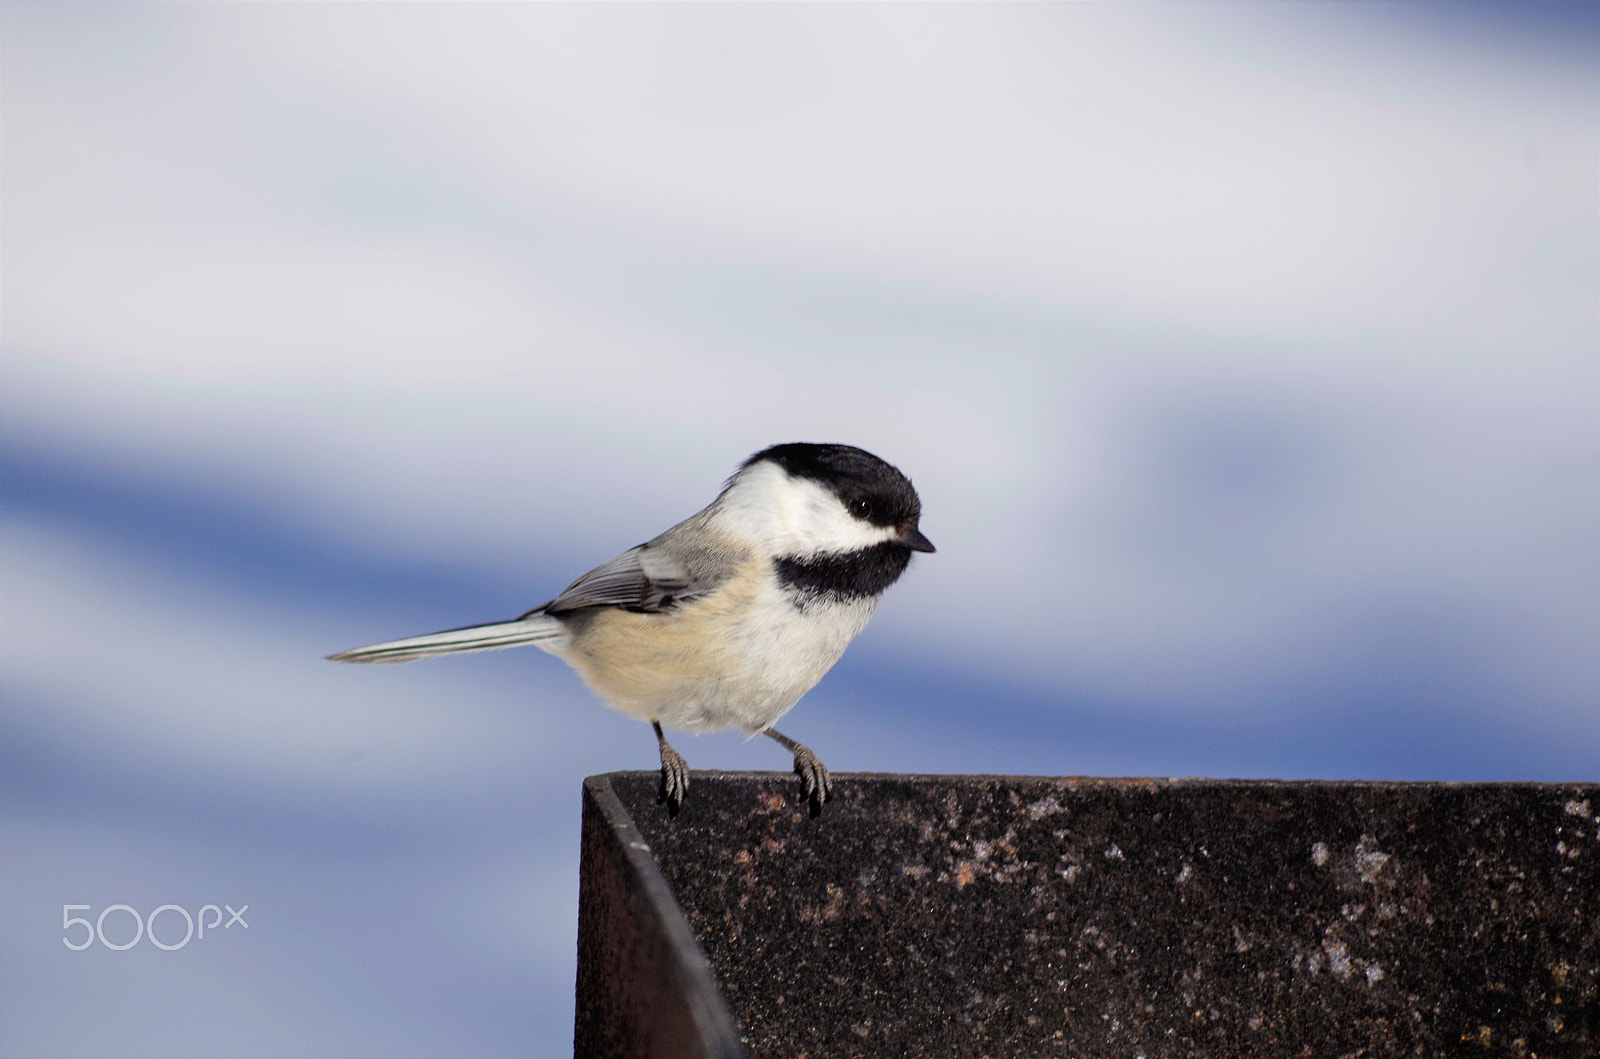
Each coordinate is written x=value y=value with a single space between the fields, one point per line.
x=537 y=629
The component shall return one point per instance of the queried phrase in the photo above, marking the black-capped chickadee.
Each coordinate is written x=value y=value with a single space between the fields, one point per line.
x=730 y=616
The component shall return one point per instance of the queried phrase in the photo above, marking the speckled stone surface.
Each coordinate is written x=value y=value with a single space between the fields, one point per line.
x=1006 y=916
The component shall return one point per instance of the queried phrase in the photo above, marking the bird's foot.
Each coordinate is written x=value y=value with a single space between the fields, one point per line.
x=674 y=776
x=815 y=783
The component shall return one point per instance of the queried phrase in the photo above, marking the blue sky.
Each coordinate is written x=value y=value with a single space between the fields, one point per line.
x=1245 y=357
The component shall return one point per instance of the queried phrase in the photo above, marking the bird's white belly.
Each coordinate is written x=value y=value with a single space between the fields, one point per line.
x=739 y=658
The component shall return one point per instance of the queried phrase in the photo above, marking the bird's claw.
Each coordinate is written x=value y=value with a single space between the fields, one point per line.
x=815 y=783
x=674 y=779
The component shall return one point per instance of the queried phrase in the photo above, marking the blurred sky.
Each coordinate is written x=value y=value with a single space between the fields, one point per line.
x=1246 y=356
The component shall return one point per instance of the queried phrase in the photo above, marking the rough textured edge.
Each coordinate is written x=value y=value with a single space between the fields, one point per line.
x=644 y=985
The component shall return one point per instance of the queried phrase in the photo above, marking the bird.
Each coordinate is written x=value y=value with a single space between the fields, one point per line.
x=729 y=617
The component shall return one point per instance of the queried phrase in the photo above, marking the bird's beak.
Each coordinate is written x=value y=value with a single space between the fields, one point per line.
x=912 y=538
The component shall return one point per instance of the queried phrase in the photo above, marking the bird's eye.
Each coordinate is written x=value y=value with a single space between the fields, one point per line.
x=861 y=509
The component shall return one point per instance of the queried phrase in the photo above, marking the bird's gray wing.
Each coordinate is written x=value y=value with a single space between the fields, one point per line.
x=648 y=578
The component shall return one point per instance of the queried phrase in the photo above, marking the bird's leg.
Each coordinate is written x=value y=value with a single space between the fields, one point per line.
x=674 y=773
x=815 y=783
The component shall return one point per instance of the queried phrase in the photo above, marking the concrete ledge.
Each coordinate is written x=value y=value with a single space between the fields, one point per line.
x=1003 y=916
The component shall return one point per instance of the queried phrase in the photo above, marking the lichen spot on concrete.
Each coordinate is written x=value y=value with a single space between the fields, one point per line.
x=1048 y=804
x=1369 y=861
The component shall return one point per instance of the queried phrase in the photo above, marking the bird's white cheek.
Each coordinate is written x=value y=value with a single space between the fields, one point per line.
x=818 y=522
x=791 y=516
